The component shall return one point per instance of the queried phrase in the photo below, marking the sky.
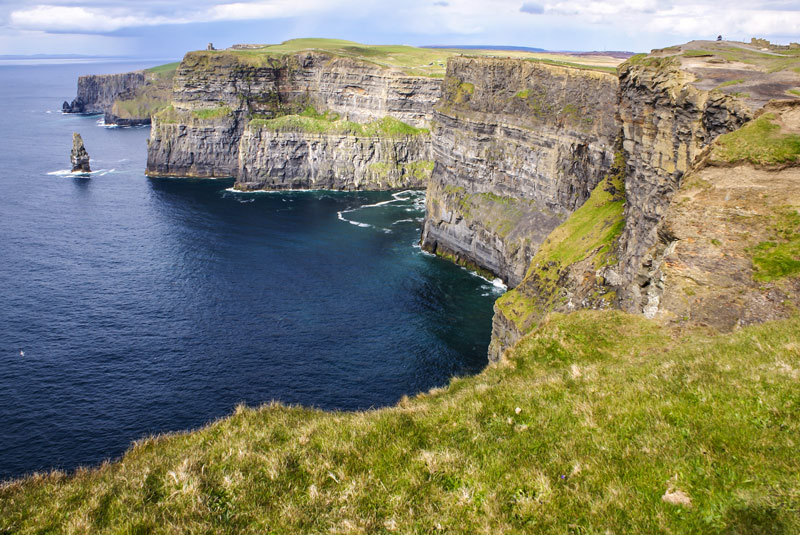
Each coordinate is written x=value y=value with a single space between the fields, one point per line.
x=169 y=28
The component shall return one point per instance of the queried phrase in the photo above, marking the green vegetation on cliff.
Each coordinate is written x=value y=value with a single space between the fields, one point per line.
x=600 y=422
x=587 y=237
x=166 y=68
x=312 y=122
x=212 y=113
x=762 y=141
x=150 y=98
x=779 y=256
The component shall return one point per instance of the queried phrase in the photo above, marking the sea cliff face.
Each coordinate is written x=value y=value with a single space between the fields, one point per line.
x=666 y=123
x=675 y=229
x=217 y=95
x=518 y=146
x=270 y=159
x=127 y=99
x=97 y=92
x=559 y=179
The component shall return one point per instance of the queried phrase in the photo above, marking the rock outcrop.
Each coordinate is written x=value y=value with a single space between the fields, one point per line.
x=79 y=157
x=518 y=145
x=727 y=252
x=217 y=95
x=666 y=123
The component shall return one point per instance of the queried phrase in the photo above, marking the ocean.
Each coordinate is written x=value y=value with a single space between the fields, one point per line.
x=132 y=306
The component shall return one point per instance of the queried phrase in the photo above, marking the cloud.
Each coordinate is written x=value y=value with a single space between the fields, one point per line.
x=568 y=24
x=100 y=18
x=530 y=7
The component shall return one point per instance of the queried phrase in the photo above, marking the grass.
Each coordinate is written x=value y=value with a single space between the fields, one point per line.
x=786 y=59
x=697 y=53
x=149 y=99
x=589 y=233
x=779 y=256
x=795 y=92
x=760 y=142
x=142 y=106
x=167 y=67
x=597 y=417
x=646 y=60
x=211 y=113
x=575 y=65
x=730 y=83
x=310 y=121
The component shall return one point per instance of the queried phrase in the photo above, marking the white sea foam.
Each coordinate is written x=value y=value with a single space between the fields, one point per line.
x=356 y=223
x=272 y=191
x=67 y=172
x=399 y=196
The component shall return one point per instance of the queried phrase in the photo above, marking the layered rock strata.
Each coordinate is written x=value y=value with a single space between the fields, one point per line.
x=128 y=99
x=297 y=160
x=727 y=252
x=217 y=94
x=695 y=241
x=518 y=145
x=97 y=92
x=666 y=123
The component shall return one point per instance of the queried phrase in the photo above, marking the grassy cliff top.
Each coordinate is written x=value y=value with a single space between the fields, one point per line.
x=755 y=72
x=410 y=59
x=600 y=422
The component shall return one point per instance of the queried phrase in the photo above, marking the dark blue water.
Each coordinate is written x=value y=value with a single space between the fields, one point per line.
x=151 y=305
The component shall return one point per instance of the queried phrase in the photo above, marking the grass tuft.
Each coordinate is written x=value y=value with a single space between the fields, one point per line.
x=779 y=257
x=211 y=113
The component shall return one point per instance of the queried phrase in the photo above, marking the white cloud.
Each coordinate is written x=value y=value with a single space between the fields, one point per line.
x=102 y=19
x=628 y=23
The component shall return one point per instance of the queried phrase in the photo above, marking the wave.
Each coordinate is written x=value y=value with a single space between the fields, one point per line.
x=397 y=197
x=68 y=172
x=356 y=223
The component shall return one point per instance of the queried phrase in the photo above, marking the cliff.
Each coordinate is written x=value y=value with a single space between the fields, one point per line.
x=222 y=104
x=271 y=157
x=682 y=206
x=728 y=247
x=97 y=92
x=518 y=145
x=126 y=99
x=646 y=245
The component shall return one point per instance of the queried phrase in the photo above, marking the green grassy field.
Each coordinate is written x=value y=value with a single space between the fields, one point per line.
x=600 y=422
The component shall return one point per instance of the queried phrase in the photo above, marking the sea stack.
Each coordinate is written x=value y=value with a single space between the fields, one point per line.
x=79 y=157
